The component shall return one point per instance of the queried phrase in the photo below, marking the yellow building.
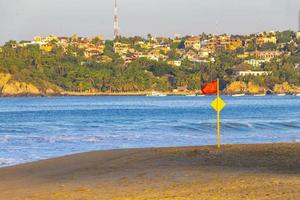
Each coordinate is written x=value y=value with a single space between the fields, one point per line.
x=162 y=49
x=263 y=40
x=46 y=48
x=298 y=35
x=234 y=44
x=146 y=45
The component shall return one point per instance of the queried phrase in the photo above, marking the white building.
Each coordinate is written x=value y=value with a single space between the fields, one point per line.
x=253 y=73
x=255 y=62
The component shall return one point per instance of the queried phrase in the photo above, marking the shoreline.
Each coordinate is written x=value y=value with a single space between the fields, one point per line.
x=247 y=171
x=148 y=148
x=191 y=94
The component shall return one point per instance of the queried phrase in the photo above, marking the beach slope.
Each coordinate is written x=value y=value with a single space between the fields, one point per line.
x=264 y=171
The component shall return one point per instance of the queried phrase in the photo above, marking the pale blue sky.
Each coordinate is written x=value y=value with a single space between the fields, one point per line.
x=22 y=19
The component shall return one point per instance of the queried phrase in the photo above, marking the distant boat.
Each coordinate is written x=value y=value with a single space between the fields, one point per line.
x=238 y=95
x=259 y=95
x=190 y=95
x=200 y=95
x=162 y=95
x=298 y=95
x=156 y=94
x=283 y=94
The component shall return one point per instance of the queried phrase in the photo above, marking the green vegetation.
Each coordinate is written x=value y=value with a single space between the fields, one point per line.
x=70 y=70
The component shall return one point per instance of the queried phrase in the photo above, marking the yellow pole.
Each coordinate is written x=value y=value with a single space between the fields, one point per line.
x=218 y=115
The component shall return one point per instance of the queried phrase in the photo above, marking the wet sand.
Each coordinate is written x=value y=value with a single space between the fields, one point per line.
x=265 y=171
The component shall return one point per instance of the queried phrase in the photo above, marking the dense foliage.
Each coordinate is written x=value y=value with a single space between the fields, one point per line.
x=77 y=73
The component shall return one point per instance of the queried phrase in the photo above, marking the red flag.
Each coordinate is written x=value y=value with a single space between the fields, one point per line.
x=210 y=88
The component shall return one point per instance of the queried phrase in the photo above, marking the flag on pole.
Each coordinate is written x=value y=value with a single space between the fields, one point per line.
x=210 y=88
x=218 y=104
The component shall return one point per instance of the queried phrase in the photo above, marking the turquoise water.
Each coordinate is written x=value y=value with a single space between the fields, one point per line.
x=39 y=128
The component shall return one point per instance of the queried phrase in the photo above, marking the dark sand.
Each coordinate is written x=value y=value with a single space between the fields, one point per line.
x=268 y=171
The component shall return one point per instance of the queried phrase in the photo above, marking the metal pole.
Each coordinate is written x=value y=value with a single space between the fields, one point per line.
x=218 y=116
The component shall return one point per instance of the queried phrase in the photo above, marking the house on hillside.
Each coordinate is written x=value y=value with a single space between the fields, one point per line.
x=260 y=40
x=193 y=43
x=234 y=43
x=204 y=53
x=120 y=48
x=93 y=51
x=245 y=69
x=253 y=73
x=298 y=35
x=266 y=55
x=255 y=62
x=191 y=56
x=175 y=63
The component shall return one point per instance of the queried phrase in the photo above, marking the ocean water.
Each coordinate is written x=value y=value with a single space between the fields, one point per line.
x=40 y=128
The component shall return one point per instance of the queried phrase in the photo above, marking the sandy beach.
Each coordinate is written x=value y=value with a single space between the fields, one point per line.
x=265 y=171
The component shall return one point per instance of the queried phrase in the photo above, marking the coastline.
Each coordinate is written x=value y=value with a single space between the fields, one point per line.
x=99 y=94
x=91 y=94
x=249 y=171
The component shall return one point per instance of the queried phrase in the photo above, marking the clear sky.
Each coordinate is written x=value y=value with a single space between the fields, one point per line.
x=22 y=19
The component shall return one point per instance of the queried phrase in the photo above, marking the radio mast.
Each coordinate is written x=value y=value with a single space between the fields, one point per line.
x=116 y=21
x=299 y=21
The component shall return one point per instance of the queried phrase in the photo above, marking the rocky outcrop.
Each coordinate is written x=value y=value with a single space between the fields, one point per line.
x=11 y=87
x=15 y=88
x=239 y=87
x=4 y=78
x=236 y=87
x=285 y=88
x=253 y=88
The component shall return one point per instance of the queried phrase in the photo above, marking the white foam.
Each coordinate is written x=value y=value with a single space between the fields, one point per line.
x=7 y=162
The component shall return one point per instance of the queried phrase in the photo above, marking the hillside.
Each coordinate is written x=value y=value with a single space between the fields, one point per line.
x=55 y=65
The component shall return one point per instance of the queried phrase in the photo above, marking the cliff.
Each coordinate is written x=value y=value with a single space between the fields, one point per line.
x=14 y=88
x=239 y=87
x=236 y=87
x=11 y=87
x=285 y=88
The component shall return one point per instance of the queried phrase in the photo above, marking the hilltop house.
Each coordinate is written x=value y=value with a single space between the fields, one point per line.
x=255 y=62
x=193 y=42
x=298 y=35
x=245 y=69
x=191 y=56
x=155 y=54
x=260 y=40
x=266 y=55
x=175 y=63
x=180 y=52
x=120 y=48
x=63 y=41
x=253 y=73
x=204 y=53
x=234 y=43
x=46 y=47
x=162 y=48
x=93 y=51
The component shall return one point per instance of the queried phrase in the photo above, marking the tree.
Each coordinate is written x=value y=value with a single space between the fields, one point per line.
x=286 y=36
x=268 y=47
